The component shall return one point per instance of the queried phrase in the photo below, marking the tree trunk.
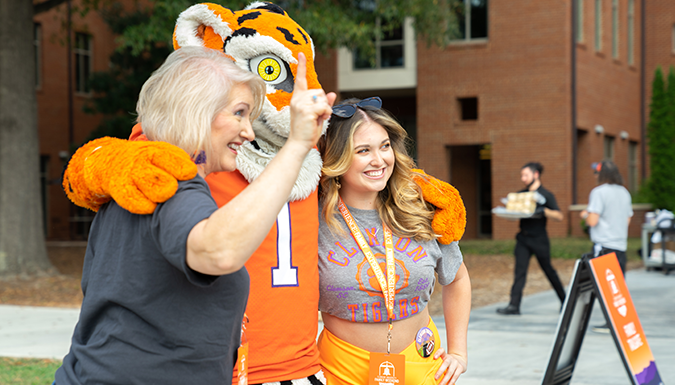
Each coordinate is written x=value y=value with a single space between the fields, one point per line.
x=22 y=244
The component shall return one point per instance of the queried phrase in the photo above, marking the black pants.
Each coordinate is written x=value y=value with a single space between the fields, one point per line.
x=620 y=255
x=541 y=248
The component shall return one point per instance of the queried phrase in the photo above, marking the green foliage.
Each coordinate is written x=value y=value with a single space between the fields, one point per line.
x=116 y=91
x=661 y=137
x=487 y=246
x=331 y=23
x=642 y=195
x=145 y=33
x=564 y=248
x=27 y=371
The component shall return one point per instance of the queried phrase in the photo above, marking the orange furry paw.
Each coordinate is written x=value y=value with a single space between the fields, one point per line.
x=450 y=219
x=137 y=175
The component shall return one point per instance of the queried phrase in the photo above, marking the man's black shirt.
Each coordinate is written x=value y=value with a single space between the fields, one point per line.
x=536 y=227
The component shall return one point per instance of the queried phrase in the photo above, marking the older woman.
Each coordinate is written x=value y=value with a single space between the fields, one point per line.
x=164 y=294
x=378 y=256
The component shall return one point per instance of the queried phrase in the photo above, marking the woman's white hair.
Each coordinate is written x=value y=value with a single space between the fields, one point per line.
x=179 y=102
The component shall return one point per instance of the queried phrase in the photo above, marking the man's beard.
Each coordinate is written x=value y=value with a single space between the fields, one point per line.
x=531 y=183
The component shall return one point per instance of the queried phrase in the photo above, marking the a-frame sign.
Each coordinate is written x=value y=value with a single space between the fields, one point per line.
x=600 y=277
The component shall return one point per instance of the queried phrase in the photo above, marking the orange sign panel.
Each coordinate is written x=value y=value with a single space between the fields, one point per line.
x=624 y=320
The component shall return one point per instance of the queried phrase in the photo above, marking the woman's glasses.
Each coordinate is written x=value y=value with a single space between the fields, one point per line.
x=347 y=110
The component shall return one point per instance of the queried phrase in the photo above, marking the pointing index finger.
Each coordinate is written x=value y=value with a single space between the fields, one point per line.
x=301 y=75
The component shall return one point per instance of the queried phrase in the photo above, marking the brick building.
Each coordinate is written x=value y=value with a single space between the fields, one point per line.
x=563 y=83
x=61 y=120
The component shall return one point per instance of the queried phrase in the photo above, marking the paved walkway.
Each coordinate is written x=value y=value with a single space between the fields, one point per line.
x=503 y=350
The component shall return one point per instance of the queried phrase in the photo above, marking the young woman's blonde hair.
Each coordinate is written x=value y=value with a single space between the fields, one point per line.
x=178 y=103
x=400 y=204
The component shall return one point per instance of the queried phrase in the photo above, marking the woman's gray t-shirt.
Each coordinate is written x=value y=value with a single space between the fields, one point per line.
x=348 y=287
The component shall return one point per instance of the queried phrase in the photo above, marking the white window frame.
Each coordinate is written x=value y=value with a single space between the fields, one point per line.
x=467 y=25
x=598 y=25
x=379 y=43
x=351 y=79
x=80 y=55
x=608 y=144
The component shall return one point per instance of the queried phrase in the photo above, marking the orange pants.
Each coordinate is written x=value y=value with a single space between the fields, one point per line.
x=346 y=364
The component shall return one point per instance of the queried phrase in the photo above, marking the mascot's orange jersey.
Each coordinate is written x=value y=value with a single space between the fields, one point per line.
x=284 y=298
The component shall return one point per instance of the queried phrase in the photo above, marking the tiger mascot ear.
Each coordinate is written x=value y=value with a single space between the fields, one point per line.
x=203 y=25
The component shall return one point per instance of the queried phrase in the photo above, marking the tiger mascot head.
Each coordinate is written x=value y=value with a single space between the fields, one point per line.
x=264 y=40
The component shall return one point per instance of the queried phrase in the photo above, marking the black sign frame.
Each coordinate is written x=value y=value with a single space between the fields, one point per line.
x=572 y=324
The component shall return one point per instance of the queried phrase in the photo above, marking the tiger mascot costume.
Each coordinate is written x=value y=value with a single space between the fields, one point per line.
x=284 y=294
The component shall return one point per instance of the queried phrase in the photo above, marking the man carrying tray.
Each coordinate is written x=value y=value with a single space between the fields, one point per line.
x=533 y=239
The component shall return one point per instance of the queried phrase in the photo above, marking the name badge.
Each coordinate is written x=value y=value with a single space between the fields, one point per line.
x=386 y=369
x=242 y=364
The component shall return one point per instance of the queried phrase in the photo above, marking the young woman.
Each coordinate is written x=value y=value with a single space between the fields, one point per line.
x=378 y=256
x=164 y=294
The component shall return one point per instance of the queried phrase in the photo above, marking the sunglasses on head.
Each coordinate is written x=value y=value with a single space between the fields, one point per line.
x=348 y=110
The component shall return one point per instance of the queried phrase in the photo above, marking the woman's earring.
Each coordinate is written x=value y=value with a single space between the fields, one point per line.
x=199 y=158
x=337 y=183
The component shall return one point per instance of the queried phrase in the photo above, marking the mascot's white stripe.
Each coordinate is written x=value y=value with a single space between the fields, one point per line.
x=190 y=19
x=256 y=5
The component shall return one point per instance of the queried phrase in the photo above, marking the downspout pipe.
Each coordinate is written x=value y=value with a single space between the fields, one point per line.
x=69 y=50
x=573 y=101
x=643 y=93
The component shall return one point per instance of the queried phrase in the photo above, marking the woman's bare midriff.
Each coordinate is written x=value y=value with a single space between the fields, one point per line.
x=373 y=336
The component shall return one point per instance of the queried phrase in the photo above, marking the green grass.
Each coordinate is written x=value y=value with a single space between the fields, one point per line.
x=26 y=371
x=565 y=248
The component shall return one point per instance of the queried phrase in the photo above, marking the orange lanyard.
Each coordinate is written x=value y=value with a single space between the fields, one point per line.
x=388 y=284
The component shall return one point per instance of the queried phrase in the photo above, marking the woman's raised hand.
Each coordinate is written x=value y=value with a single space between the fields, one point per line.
x=309 y=108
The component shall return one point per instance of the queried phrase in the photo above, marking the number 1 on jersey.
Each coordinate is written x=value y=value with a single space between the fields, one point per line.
x=284 y=274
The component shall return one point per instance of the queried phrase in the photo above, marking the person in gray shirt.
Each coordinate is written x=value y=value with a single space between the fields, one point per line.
x=608 y=215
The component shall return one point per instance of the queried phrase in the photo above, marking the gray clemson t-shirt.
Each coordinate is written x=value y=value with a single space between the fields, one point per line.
x=348 y=287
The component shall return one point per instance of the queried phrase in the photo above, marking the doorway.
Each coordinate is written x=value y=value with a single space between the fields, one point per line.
x=471 y=175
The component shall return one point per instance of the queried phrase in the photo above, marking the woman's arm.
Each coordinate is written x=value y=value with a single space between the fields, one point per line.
x=456 y=309
x=592 y=218
x=223 y=243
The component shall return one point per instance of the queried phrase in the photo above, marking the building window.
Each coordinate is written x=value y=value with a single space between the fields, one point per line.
x=580 y=21
x=37 y=49
x=472 y=19
x=598 y=25
x=673 y=39
x=632 y=166
x=609 y=148
x=83 y=62
x=631 y=32
x=615 y=29
x=389 y=50
x=468 y=108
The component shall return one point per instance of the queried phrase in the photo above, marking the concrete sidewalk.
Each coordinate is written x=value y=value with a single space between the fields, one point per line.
x=510 y=350
x=503 y=350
